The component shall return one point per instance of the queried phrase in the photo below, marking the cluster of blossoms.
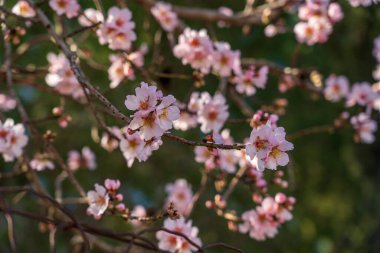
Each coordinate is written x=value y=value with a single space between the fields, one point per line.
x=201 y=53
x=165 y=16
x=154 y=116
x=70 y=8
x=362 y=94
x=212 y=112
x=251 y=79
x=84 y=159
x=267 y=146
x=104 y=197
x=364 y=127
x=226 y=160
x=364 y=3
x=23 y=9
x=61 y=77
x=12 y=139
x=197 y=49
x=118 y=29
x=263 y=222
x=337 y=88
x=174 y=243
x=317 y=22
x=181 y=195
x=41 y=161
x=122 y=65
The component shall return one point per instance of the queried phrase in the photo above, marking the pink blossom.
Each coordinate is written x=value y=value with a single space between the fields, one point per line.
x=337 y=87
x=317 y=18
x=68 y=7
x=206 y=156
x=98 y=201
x=108 y=142
x=267 y=147
x=165 y=16
x=252 y=78
x=41 y=162
x=264 y=221
x=23 y=9
x=137 y=57
x=276 y=207
x=112 y=184
x=7 y=103
x=145 y=100
x=174 y=243
x=181 y=195
x=131 y=146
x=90 y=17
x=335 y=12
x=61 y=77
x=138 y=211
x=117 y=31
x=195 y=48
x=195 y=104
x=226 y=160
x=258 y=224
x=361 y=94
x=167 y=112
x=261 y=118
x=185 y=121
x=364 y=127
x=259 y=142
x=226 y=12
x=226 y=61
x=12 y=139
x=270 y=31
x=278 y=155
x=119 y=70
x=151 y=119
x=213 y=112
x=85 y=159
x=148 y=148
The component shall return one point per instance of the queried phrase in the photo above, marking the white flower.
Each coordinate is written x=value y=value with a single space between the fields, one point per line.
x=98 y=201
x=177 y=244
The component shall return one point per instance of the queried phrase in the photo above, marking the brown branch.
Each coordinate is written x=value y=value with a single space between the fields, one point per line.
x=210 y=15
x=312 y=130
x=80 y=30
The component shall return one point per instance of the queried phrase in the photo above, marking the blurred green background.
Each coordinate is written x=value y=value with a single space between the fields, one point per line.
x=336 y=182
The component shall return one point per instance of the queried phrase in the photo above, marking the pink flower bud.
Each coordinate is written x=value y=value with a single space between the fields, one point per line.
x=112 y=185
x=120 y=207
x=284 y=184
x=209 y=204
x=256 y=198
x=57 y=111
x=291 y=200
x=119 y=197
x=280 y=198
